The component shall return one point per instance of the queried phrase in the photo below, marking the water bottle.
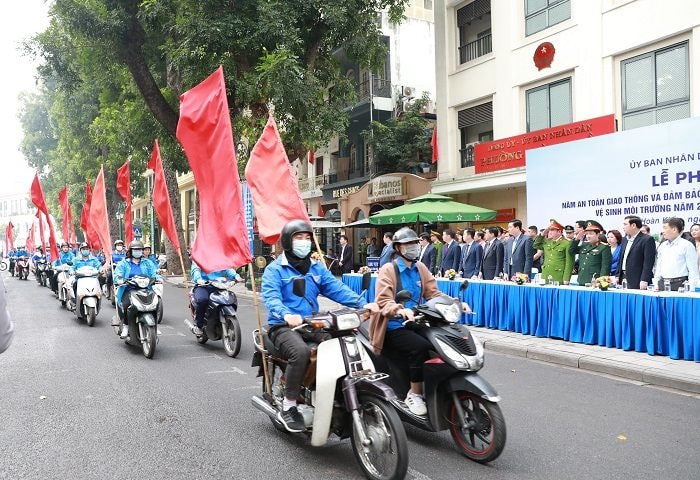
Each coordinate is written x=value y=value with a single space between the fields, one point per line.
x=686 y=286
x=533 y=273
x=549 y=279
x=624 y=284
x=667 y=285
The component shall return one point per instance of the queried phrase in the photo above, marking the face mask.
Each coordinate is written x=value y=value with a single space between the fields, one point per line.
x=301 y=248
x=119 y=248
x=85 y=253
x=412 y=252
x=137 y=253
x=64 y=250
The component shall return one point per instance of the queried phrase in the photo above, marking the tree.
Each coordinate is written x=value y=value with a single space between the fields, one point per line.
x=403 y=142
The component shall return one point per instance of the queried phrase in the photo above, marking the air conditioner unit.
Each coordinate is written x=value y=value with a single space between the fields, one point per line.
x=407 y=91
x=428 y=109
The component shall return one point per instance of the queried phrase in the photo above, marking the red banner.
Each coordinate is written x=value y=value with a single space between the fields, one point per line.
x=124 y=189
x=9 y=242
x=161 y=197
x=40 y=202
x=510 y=152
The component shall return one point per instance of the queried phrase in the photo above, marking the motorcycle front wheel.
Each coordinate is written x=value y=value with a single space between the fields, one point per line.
x=484 y=438
x=386 y=456
x=148 y=342
x=232 y=341
x=91 y=314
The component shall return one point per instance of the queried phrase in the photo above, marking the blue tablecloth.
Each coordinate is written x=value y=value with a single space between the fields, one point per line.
x=656 y=323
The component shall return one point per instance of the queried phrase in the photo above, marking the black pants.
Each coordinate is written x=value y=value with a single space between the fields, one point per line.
x=293 y=348
x=409 y=344
x=676 y=283
x=54 y=281
x=126 y=302
x=201 y=299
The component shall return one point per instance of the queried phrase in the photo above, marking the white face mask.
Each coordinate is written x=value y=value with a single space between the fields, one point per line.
x=411 y=252
x=301 y=248
x=119 y=248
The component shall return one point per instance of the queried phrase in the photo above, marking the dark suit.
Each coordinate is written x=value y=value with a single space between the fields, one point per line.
x=492 y=264
x=451 y=256
x=640 y=260
x=521 y=256
x=471 y=260
x=346 y=257
x=429 y=257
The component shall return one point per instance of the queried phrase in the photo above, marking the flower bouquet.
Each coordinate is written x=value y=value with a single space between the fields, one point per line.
x=364 y=269
x=603 y=283
x=520 y=278
x=451 y=274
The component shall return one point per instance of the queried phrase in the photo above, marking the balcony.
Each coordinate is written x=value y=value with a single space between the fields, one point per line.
x=472 y=50
x=466 y=156
x=319 y=181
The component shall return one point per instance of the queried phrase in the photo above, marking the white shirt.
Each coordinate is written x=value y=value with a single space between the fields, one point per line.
x=630 y=240
x=677 y=259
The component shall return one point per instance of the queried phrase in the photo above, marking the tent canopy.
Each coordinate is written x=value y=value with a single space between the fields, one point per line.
x=432 y=208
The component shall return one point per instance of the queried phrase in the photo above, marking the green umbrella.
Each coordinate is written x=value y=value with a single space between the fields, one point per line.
x=432 y=208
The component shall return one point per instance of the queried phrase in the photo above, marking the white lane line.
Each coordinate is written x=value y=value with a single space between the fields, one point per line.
x=232 y=370
x=205 y=356
x=416 y=475
x=249 y=387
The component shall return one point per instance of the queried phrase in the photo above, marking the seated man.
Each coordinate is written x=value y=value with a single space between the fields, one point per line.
x=201 y=291
x=286 y=310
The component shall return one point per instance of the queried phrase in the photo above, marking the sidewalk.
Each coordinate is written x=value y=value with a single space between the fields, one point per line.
x=637 y=366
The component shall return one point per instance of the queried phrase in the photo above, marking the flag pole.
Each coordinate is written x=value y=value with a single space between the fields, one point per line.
x=318 y=248
x=266 y=375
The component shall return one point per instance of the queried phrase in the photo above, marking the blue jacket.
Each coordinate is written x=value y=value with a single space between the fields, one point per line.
x=118 y=256
x=127 y=269
x=37 y=257
x=63 y=258
x=86 y=262
x=385 y=257
x=279 y=299
x=198 y=274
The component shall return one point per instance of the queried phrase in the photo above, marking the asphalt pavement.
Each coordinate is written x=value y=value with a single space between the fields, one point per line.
x=76 y=402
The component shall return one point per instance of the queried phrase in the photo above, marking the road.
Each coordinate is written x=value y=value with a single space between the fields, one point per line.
x=77 y=403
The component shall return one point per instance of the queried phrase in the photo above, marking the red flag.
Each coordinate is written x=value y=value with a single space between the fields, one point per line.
x=65 y=209
x=205 y=132
x=320 y=213
x=434 y=144
x=124 y=189
x=42 y=237
x=40 y=202
x=30 y=239
x=312 y=157
x=9 y=241
x=161 y=197
x=98 y=213
x=86 y=226
x=276 y=197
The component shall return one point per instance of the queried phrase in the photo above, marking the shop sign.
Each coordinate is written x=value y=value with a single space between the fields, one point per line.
x=510 y=152
x=345 y=191
x=386 y=187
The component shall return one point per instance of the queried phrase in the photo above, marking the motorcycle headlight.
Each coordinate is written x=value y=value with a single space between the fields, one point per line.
x=463 y=362
x=141 y=282
x=452 y=312
x=347 y=321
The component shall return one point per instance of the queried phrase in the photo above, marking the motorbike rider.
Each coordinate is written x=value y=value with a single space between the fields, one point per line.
x=132 y=265
x=84 y=260
x=147 y=255
x=118 y=254
x=65 y=257
x=286 y=309
x=394 y=330
x=201 y=291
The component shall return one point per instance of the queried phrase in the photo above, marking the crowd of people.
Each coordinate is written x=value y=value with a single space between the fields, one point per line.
x=583 y=252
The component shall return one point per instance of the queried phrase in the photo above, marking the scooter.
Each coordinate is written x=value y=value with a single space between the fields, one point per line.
x=13 y=264
x=41 y=271
x=62 y=279
x=88 y=301
x=22 y=268
x=220 y=318
x=345 y=396
x=158 y=288
x=456 y=397
x=141 y=315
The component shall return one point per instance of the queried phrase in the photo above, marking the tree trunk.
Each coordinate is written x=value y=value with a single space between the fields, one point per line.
x=174 y=265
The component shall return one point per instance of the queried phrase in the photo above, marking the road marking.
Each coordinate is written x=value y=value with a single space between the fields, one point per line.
x=233 y=370
x=417 y=475
x=249 y=387
x=205 y=356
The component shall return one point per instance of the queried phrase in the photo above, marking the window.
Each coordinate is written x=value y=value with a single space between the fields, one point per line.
x=541 y=14
x=475 y=125
x=368 y=158
x=656 y=87
x=474 y=25
x=428 y=4
x=549 y=105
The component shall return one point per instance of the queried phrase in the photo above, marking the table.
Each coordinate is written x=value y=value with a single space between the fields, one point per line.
x=658 y=323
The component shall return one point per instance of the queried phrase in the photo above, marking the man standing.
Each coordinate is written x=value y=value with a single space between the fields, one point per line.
x=595 y=258
x=472 y=255
x=362 y=251
x=677 y=259
x=345 y=257
x=518 y=251
x=536 y=254
x=385 y=256
x=558 y=260
x=427 y=252
x=451 y=252
x=569 y=233
x=492 y=264
x=639 y=254
x=435 y=240
x=373 y=249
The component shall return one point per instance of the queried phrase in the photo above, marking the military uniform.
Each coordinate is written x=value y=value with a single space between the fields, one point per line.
x=558 y=261
x=593 y=259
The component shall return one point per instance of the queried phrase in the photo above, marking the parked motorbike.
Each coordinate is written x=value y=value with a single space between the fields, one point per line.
x=88 y=301
x=62 y=279
x=456 y=397
x=41 y=271
x=13 y=264
x=141 y=315
x=220 y=321
x=22 y=268
x=345 y=396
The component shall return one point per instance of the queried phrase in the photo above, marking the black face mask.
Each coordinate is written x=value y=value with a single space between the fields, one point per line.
x=302 y=265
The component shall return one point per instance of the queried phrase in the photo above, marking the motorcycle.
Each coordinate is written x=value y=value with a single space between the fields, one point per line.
x=41 y=271
x=88 y=301
x=220 y=319
x=141 y=315
x=158 y=288
x=456 y=397
x=62 y=280
x=342 y=393
x=22 y=268
x=13 y=264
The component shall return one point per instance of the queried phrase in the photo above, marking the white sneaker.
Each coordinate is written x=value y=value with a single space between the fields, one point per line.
x=416 y=404
x=125 y=331
x=197 y=331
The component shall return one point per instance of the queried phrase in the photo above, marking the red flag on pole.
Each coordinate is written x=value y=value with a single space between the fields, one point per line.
x=42 y=237
x=205 y=132
x=312 y=156
x=161 y=197
x=29 y=244
x=434 y=144
x=9 y=241
x=86 y=226
x=40 y=202
x=320 y=213
x=124 y=189
x=276 y=196
x=98 y=213
x=65 y=210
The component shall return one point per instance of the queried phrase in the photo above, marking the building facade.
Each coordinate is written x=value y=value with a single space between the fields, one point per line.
x=510 y=67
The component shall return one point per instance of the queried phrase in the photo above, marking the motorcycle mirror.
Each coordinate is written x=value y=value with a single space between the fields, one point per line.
x=299 y=287
x=403 y=296
x=366 y=280
x=464 y=286
x=70 y=264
